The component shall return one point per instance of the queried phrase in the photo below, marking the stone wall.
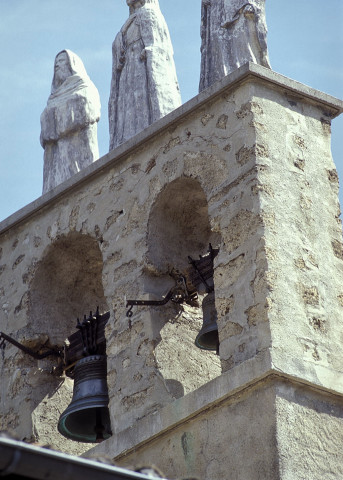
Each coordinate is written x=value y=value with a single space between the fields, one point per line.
x=271 y=430
x=303 y=232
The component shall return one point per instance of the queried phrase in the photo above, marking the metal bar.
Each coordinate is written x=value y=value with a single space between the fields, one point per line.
x=29 y=351
x=131 y=303
x=151 y=302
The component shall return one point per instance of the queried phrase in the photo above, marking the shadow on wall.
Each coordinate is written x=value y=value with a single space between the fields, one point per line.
x=67 y=284
x=178 y=225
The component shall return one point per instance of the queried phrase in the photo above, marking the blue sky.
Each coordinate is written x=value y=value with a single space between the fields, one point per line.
x=305 y=43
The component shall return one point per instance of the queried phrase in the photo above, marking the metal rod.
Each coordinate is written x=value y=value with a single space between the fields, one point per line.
x=29 y=351
x=131 y=303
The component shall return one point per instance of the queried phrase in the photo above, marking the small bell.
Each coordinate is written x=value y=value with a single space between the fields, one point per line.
x=87 y=417
x=207 y=338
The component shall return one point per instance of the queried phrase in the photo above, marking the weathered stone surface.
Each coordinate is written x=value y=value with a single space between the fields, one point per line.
x=144 y=85
x=69 y=121
x=309 y=434
x=233 y=32
x=275 y=430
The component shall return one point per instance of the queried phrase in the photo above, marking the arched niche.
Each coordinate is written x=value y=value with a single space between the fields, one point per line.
x=179 y=225
x=66 y=285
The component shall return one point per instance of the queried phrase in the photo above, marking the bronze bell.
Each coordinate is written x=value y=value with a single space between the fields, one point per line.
x=207 y=338
x=87 y=417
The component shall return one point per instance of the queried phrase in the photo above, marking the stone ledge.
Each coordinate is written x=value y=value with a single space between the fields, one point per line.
x=308 y=373
x=247 y=72
x=227 y=386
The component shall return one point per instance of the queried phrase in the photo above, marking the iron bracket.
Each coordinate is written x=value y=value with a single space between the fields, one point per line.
x=177 y=294
x=38 y=356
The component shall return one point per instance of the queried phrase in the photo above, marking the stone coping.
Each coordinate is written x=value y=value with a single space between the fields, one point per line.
x=226 y=387
x=247 y=72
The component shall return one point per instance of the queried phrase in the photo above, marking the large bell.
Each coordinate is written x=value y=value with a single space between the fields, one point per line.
x=87 y=417
x=207 y=338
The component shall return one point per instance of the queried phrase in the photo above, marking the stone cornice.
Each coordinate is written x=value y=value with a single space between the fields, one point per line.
x=226 y=388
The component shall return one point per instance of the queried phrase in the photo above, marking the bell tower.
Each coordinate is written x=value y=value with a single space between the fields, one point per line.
x=244 y=168
x=258 y=144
